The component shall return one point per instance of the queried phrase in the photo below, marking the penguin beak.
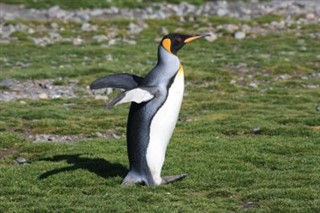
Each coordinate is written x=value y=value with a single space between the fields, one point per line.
x=192 y=38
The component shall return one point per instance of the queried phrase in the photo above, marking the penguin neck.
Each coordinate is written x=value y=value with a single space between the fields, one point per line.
x=167 y=58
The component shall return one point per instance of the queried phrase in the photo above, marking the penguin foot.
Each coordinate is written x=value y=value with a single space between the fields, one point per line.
x=171 y=179
x=131 y=183
x=132 y=179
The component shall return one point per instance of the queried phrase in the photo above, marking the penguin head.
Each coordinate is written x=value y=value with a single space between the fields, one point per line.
x=175 y=41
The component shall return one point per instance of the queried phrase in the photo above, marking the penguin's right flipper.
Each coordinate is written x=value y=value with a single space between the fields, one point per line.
x=122 y=81
x=137 y=95
x=171 y=179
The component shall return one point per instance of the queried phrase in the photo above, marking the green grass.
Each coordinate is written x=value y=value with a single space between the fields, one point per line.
x=230 y=168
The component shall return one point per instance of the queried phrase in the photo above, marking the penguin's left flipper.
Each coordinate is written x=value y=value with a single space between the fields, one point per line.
x=123 y=81
x=171 y=179
x=137 y=95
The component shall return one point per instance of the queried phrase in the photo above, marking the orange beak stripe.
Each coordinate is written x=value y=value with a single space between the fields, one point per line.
x=166 y=43
x=188 y=40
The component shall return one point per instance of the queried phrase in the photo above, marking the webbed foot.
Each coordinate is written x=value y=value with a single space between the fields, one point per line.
x=174 y=178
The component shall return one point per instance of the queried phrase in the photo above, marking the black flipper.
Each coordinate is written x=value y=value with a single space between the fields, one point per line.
x=121 y=81
x=171 y=179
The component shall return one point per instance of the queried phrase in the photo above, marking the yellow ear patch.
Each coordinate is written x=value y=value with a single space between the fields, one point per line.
x=166 y=43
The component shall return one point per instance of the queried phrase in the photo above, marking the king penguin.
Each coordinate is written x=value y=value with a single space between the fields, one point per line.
x=156 y=101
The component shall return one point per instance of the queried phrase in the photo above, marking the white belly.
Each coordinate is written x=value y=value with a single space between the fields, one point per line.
x=162 y=127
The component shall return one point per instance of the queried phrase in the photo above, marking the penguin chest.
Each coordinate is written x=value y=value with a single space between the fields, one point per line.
x=162 y=126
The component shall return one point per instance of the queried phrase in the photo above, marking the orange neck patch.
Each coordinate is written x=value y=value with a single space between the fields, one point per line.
x=166 y=43
x=180 y=71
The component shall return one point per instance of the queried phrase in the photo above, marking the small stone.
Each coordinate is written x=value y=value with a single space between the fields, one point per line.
x=42 y=41
x=6 y=31
x=160 y=14
x=164 y=31
x=303 y=48
x=54 y=35
x=239 y=35
x=7 y=82
x=101 y=97
x=21 y=161
x=317 y=10
x=233 y=81
x=135 y=29
x=113 y=10
x=31 y=31
x=284 y=76
x=77 y=41
x=131 y=42
x=54 y=25
x=100 y=38
x=256 y=130
x=43 y=96
x=311 y=86
x=61 y=14
x=301 y=42
x=231 y=28
x=22 y=102
x=318 y=108
x=83 y=16
x=310 y=16
x=68 y=15
x=21 y=28
x=189 y=119
x=222 y=12
x=112 y=42
x=115 y=136
x=177 y=10
x=88 y=27
x=43 y=84
x=253 y=85
x=212 y=37
x=97 y=12
x=109 y=57
x=2 y=41
x=52 y=12
x=99 y=134
x=248 y=205
x=85 y=26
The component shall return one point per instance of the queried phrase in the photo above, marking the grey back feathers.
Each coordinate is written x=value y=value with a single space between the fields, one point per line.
x=166 y=68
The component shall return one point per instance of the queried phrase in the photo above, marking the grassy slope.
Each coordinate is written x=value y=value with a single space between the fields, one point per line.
x=230 y=169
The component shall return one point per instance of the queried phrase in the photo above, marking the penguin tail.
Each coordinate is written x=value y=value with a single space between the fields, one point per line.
x=174 y=178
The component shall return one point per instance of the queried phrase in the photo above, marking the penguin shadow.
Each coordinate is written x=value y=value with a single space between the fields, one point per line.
x=99 y=166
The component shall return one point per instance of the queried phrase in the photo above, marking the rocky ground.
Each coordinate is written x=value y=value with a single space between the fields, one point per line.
x=306 y=11
x=292 y=13
x=236 y=9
